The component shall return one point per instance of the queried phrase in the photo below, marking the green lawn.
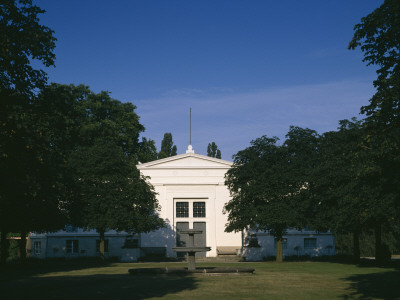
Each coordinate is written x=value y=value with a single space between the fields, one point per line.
x=289 y=280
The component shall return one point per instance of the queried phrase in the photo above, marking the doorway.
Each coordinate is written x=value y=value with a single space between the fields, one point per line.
x=190 y=214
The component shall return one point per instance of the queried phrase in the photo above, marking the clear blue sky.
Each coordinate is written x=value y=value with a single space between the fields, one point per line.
x=247 y=68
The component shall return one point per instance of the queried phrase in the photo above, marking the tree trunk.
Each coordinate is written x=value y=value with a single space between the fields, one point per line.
x=4 y=247
x=356 y=245
x=378 y=242
x=279 y=250
x=22 y=247
x=101 y=231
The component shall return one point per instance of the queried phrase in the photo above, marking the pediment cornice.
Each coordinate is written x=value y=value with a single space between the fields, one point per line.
x=187 y=161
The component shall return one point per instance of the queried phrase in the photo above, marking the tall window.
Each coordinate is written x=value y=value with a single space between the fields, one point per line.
x=199 y=209
x=37 y=246
x=182 y=209
x=72 y=246
x=310 y=243
x=98 y=246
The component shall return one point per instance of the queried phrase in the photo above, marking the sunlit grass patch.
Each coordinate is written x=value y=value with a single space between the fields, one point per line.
x=292 y=280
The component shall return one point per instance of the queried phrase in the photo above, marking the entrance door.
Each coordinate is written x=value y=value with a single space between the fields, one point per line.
x=200 y=239
x=190 y=213
x=181 y=239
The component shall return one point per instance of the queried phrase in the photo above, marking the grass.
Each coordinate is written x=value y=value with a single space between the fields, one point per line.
x=289 y=280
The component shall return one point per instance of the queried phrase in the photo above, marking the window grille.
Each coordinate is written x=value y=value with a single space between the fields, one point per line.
x=182 y=209
x=72 y=246
x=199 y=209
x=37 y=246
x=310 y=243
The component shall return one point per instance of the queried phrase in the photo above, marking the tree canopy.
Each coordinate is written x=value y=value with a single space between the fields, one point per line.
x=28 y=171
x=378 y=36
x=22 y=39
x=340 y=196
x=268 y=183
x=147 y=150
x=25 y=163
x=167 y=146
x=73 y=160
x=101 y=153
x=213 y=151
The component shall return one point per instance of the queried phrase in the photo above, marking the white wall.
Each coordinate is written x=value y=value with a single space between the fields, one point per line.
x=53 y=245
x=325 y=245
x=189 y=178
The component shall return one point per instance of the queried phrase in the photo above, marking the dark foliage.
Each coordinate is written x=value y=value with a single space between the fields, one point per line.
x=22 y=39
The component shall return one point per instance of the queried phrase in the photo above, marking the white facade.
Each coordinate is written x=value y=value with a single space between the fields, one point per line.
x=191 y=178
x=295 y=243
x=79 y=243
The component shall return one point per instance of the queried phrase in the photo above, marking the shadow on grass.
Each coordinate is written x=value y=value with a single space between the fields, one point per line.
x=96 y=287
x=13 y=271
x=383 y=285
x=342 y=259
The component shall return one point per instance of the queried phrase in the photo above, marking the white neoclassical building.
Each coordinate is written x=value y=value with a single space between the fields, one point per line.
x=192 y=194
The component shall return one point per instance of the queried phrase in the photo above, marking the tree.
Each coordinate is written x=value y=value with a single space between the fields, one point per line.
x=259 y=202
x=23 y=38
x=267 y=183
x=303 y=147
x=147 y=150
x=213 y=151
x=62 y=116
x=28 y=176
x=113 y=194
x=340 y=196
x=378 y=36
x=167 y=146
x=108 y=190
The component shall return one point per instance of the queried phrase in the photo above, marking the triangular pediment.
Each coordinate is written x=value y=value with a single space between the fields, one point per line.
x=188 y=160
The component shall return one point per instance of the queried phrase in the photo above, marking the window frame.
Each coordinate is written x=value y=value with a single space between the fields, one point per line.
x=308 y=245
x=201 y=210
x=72 y=246
x=183 y=210
x=37 y=247
x=131 y=243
